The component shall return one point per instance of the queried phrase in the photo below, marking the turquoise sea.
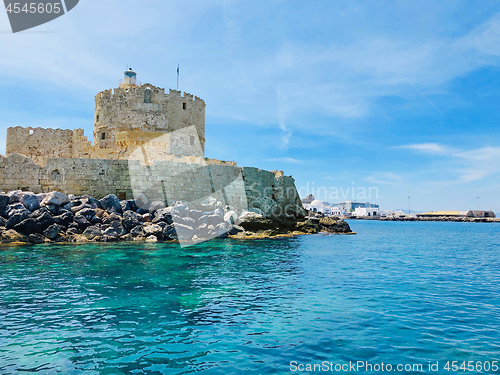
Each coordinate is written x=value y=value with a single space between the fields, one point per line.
x=404 y=293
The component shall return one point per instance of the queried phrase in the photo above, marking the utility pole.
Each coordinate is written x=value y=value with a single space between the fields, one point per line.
x=409 y=206
x=478 y=206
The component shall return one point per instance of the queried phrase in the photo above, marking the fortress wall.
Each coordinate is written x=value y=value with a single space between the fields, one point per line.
x=40 y=144
x=163 y=180
x=17 y=172
x=95 y=177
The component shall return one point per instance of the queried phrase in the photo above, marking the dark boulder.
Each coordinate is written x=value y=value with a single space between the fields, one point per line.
x=15 y=196
x=96 y=220
x=92 y=232
x=151 y=229
x=52 y=232
x=169 y=233
x=142 y=211
x=15 y=217
x=94 y=203
x=106 y=238
x=64 y=219
x=335 y=225
x=4 y=201
x=164 y=214
x=44 y=221
x=137 y=231
x=30 y=201
x=131 y=219
x=78 y=208
x=81 y=222
x=14 y=209
x=40 y=212
x=110 y=218
x=88 y=213
x=37 y=238
x=235 y=229
x=254 y=222
x=54 y=209
x=111 y=204
x=125 y=206
x=115 y=229
x=27 y=227
x=131 y=204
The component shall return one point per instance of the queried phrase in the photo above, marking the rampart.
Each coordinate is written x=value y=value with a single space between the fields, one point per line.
x=168 y=181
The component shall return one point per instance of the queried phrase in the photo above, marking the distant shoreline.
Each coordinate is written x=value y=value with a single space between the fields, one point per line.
x=439 y=218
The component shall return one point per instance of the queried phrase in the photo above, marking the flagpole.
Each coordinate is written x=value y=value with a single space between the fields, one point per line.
x=177 y=77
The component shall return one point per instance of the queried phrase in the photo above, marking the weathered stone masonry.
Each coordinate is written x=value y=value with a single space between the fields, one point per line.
x=162 y=180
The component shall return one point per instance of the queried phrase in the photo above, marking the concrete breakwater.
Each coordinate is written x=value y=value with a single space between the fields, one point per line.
x=26 y=217
x=436 y=218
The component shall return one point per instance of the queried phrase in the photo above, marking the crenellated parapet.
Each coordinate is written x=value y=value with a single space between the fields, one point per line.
x=147 y=109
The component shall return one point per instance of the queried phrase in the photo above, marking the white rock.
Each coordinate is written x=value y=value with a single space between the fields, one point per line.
x=55 y=198
x=231 y=217
x=142 y=201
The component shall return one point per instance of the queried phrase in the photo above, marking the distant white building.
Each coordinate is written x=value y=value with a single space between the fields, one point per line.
x=367 y=212
x=316 y=206
x=324 y=207
x=337 y=210
x=308 y=199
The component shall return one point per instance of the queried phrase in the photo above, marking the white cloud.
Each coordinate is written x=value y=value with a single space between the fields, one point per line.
x=428 y=148
x=388 y=178
x=480 y=163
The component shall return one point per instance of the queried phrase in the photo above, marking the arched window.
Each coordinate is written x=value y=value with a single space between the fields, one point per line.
x=147 y=95
x=55 y=175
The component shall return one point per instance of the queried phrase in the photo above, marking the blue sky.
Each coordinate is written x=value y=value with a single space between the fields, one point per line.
x=398 y=97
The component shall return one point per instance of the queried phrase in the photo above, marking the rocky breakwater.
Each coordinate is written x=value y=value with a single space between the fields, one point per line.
x=26 y=217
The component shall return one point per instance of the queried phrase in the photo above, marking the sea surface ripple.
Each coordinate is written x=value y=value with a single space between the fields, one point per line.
x=397 y=292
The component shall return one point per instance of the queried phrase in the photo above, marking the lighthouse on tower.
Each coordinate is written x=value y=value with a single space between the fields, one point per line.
x=129 y=79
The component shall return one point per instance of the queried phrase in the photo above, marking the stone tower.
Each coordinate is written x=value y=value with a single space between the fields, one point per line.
x=134 y=114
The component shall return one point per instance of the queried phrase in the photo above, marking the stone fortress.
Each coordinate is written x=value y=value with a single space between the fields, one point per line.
x=145 y=141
